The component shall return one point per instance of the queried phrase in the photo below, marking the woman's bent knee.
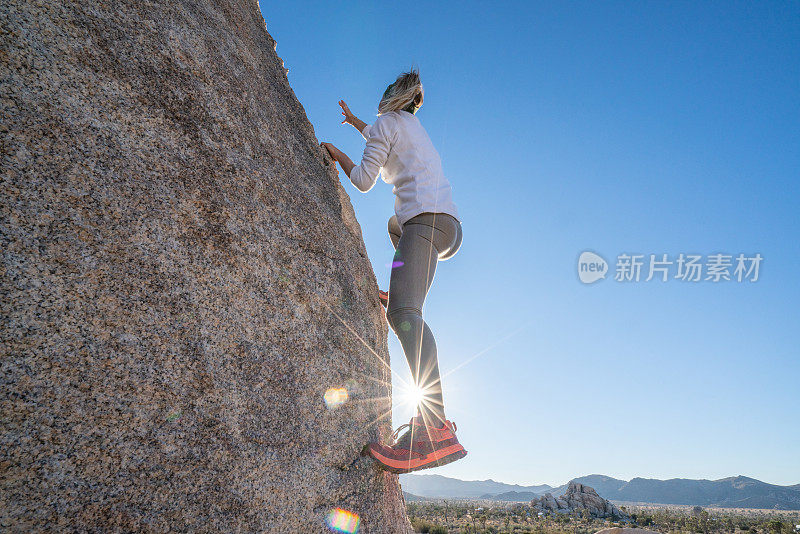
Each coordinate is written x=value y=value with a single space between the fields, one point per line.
x=403 y=319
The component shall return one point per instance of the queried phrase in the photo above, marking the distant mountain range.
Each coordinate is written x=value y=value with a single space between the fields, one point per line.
x=731 y=492
x=439 y=486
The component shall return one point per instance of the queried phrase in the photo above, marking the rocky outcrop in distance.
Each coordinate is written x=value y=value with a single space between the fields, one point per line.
x=578 y=499
x=183 y=280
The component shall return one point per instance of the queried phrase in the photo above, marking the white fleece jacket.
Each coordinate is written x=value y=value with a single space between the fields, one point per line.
x=398 y=148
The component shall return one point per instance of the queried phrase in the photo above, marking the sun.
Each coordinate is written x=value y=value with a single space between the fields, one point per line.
x=413 y=395
x=416 y=395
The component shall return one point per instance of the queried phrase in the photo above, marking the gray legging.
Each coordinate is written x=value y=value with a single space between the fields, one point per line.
x=420 y=244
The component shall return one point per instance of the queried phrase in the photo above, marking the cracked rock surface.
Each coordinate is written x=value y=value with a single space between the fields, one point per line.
x=183 y=279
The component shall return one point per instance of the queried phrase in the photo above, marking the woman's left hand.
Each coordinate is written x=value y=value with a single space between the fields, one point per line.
x=349 y=118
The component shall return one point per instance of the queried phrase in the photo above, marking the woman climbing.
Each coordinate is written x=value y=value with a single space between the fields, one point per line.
x=424 y=229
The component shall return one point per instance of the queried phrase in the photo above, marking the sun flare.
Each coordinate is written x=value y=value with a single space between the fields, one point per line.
x=413 y=396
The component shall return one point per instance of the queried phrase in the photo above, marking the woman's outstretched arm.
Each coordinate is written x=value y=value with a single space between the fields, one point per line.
x=376 y=153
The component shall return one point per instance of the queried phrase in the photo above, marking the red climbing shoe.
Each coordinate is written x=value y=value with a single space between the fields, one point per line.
x=421 y=447
x=383 y=298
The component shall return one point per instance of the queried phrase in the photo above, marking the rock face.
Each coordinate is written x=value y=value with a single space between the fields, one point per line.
x=183 y=279
x=578 y=498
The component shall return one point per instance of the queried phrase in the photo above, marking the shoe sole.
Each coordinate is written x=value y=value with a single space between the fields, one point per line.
x=435 y=459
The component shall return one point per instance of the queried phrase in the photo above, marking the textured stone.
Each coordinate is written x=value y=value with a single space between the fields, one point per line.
x=179 y=265
x=577 y=499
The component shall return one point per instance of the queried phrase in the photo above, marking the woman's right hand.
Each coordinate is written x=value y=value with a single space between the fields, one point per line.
x=349 y=118
x=332 y=150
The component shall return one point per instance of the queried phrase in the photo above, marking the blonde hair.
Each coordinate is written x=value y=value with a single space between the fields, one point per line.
x=403 y=92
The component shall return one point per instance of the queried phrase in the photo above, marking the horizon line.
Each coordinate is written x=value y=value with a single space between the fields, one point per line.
x=608 y=476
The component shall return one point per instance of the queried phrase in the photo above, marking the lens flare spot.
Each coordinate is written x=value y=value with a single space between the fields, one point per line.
x=395 y=264
x=335 y=397
x=343 y=521
x=405 y=326
x=174 y=416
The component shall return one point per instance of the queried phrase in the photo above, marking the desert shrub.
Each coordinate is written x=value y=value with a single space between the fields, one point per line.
x=426 y=527
x=420 y=525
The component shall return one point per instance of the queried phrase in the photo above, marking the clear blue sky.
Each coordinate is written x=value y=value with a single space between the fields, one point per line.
x=639 y=127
